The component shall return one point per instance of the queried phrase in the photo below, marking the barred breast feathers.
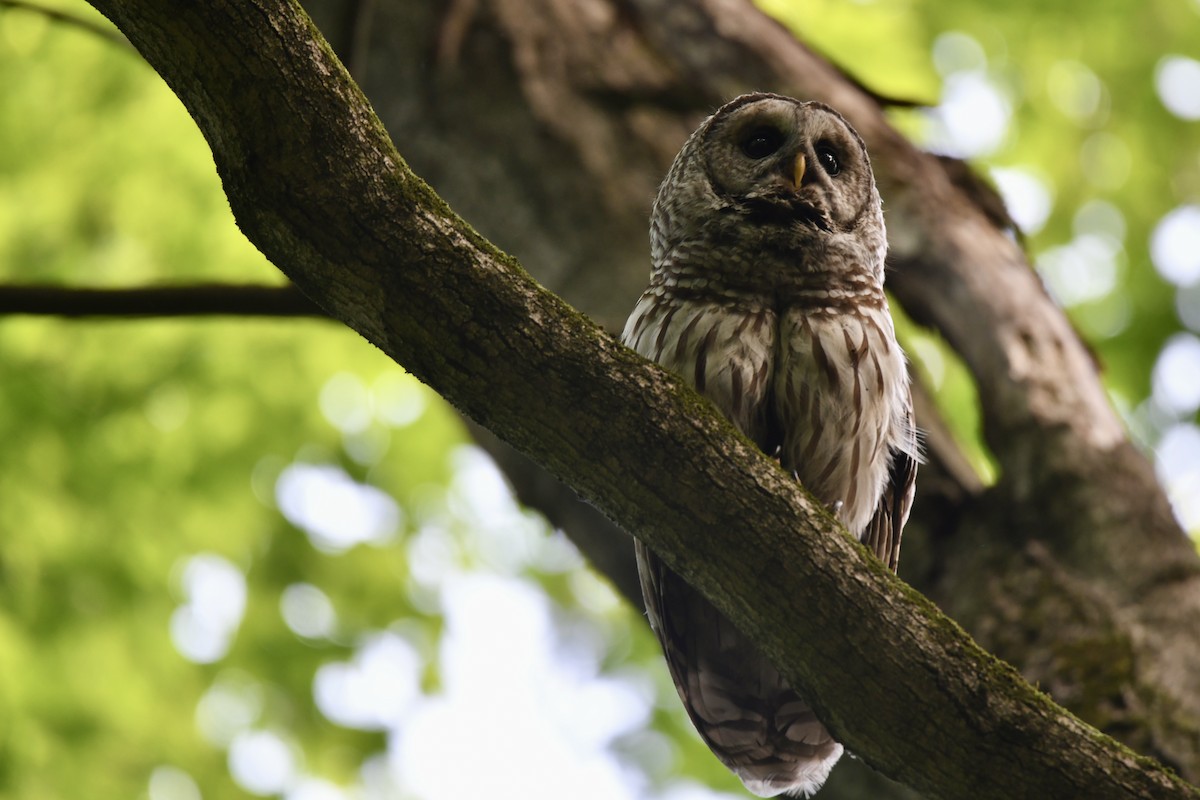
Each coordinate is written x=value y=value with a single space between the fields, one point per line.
x=725 y=351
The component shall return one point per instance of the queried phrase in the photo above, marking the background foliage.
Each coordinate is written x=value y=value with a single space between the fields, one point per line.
x=255 y=558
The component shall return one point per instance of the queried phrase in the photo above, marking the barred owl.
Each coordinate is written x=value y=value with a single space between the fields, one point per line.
x=766 y=294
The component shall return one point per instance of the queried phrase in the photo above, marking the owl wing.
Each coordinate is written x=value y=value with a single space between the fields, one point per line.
x=882 y=534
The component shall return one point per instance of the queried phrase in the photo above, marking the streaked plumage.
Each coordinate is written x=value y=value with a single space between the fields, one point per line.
x=766 y=294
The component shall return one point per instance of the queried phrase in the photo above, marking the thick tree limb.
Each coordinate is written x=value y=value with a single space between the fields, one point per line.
x=315 y=182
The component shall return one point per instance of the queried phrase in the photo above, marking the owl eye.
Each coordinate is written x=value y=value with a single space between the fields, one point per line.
x=762 y=142
x=828 y=160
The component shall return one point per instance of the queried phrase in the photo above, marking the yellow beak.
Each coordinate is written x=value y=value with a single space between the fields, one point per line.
x=798 y=170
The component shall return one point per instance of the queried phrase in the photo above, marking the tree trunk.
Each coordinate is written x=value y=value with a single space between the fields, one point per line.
x=547 y=123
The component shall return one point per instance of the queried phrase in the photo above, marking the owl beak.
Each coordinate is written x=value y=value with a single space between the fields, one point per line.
x=798 y=170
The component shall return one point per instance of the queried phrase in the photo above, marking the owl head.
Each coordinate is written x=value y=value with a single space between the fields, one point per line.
x=767 y=171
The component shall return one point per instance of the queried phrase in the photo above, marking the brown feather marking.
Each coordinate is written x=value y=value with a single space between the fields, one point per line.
x=815 y=426
x=856 y=400
x=814 y=432
x=855 y=351
x=735 y=387
x=740 y=330
x=823 y=363
x=681 y=346
x=760 y=320
x=884 y=346
x=874 y=355
x=852 y=493
x=663 y=328
x=656 y=302
x=803 y=399
x=826 y=473
x=759 y=379
x=702 y=355
x=639 y=325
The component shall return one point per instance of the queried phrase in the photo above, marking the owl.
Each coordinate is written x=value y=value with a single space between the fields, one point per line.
x=766 y=295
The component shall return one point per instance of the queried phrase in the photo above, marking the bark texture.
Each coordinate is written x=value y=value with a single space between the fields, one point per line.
x=548 y=122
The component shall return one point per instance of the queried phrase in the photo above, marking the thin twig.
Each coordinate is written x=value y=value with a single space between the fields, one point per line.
x=58 y=15
x=157 y=301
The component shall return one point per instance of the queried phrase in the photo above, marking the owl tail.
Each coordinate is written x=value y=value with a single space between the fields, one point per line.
x=745 y=711
x=798 y=777
x=780 y=747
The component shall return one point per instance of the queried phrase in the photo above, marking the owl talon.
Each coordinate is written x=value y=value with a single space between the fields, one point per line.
x=836 y=508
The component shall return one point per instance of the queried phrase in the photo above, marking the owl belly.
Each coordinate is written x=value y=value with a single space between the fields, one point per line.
x=724 y=350
x=839 y=384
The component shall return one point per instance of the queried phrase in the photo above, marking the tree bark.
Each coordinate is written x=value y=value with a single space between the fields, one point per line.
x=316 y=184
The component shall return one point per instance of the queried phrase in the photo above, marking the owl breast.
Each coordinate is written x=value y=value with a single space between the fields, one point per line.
x=723 y=348
x=826 y=385
x=841 y=383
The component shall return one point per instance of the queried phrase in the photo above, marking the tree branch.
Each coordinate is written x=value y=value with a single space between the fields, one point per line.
x=316 y=184
x=58 y=15
x=157 y=301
